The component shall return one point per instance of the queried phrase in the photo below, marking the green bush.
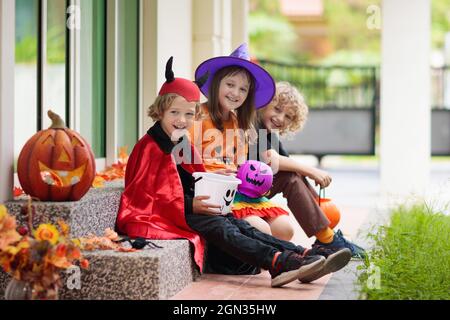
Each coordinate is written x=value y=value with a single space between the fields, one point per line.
x=412 y=255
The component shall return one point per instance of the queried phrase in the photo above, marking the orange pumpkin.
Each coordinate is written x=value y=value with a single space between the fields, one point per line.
x=330 y=210
x=56 y=164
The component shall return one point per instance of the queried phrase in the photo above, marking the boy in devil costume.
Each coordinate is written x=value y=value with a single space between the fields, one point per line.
x=152 y=204
x=158 y=201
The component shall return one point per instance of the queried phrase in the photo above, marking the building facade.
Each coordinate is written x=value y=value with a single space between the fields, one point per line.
x=99 y=64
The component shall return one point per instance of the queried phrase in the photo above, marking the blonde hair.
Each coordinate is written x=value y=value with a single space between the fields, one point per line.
x=288 y=96
x=162 y=103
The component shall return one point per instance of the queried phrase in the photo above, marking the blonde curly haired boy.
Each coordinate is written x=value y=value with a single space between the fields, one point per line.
x=287 y=114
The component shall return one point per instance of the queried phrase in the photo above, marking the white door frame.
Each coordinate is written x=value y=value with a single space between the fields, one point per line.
x=7 y=62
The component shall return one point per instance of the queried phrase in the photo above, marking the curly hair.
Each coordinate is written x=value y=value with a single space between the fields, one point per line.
x=162 y=103
x=287 y=96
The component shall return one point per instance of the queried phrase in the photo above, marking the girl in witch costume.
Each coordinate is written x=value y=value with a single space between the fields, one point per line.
x=235 y=88
x=158 y=190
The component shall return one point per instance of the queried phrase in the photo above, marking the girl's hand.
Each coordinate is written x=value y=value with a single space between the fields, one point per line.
x=270 y=156
x=201 y=207
x=320 y=177
x=226 y=172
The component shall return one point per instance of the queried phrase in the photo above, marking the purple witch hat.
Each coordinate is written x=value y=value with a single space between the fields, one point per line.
x=264 y=83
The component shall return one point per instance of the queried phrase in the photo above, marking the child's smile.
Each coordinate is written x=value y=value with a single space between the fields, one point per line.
x=178 y=118
x=277 y=117
x=233 y=91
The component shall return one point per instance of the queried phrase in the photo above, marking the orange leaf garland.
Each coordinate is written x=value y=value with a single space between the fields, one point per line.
x=113 y=172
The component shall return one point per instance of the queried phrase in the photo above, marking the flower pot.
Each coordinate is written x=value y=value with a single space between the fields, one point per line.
x=18 y=290
x=23 y=290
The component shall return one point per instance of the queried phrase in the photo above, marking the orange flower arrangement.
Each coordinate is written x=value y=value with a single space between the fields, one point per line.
x=37 y=256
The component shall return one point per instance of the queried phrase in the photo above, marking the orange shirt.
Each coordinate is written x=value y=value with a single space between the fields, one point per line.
x=219 y=149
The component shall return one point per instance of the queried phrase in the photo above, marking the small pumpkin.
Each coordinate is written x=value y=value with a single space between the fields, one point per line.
x=330 y=210
x=56 y=164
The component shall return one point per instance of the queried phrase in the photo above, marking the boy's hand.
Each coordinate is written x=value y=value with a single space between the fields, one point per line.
x=320 y=177
x=201 y=207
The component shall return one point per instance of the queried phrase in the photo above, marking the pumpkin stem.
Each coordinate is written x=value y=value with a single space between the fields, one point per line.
x=57 y=122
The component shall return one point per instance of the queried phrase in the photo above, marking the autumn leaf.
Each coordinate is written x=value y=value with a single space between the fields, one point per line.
x=98 y=182
x=17 y=192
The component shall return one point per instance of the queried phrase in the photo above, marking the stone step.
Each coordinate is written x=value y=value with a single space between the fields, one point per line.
x=92 y=214
x=150 y=274
x=145 y=274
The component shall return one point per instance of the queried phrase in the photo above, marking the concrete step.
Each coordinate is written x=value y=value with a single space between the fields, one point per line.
x=92 y=214
x=147 y=274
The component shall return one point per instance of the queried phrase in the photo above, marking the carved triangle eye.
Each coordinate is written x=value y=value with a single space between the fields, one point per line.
x=76 y=142
x=49 y=140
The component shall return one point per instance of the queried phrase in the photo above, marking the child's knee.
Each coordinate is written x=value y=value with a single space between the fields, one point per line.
x=259 y=224
x=282 y=228
x=284 y=234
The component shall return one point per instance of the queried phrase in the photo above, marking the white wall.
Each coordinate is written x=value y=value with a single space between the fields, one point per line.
x=166 y=32
x=405 y=97
x=239 y=23
x=212 y=21
x=174 y=37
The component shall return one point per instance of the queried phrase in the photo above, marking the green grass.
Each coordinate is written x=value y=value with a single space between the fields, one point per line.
x=413 y=257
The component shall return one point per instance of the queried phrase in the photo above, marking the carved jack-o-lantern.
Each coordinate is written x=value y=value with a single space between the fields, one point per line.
x=56 y=164
x=256 y=177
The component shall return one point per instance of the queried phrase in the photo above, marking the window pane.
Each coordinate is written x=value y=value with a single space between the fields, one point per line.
x=55 y=69
x=128 y=62
x=92 y=74
x=25 y=123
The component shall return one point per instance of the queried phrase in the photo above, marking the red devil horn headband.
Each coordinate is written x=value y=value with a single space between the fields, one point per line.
x=183 y=87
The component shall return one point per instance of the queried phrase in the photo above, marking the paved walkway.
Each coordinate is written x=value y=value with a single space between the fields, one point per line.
x=355 y=190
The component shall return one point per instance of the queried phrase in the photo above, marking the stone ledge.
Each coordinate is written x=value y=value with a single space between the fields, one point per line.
x=148 y=274
x=92 y=214
x=145 y=274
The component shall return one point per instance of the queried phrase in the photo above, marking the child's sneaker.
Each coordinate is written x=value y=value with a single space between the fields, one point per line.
x=335 y=260
x=290 y=266
x=338 y=243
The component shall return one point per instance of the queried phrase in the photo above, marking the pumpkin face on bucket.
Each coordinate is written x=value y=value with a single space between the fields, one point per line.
x=256 y=177
x=56 y=164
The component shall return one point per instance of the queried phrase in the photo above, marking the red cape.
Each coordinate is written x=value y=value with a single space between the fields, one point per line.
x=152 y=204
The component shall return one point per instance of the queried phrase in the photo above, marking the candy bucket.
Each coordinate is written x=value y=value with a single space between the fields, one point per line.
x=219 y=187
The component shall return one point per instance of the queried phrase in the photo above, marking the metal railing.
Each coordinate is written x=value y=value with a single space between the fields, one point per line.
x=342 y=104
x=330 y=86
x=440 y=87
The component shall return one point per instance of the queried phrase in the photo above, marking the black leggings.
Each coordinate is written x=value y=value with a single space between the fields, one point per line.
x=235 y=241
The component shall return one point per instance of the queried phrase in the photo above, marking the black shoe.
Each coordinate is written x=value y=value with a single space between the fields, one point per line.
x=335 y=261
x=337 y=244
x=290 y=266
